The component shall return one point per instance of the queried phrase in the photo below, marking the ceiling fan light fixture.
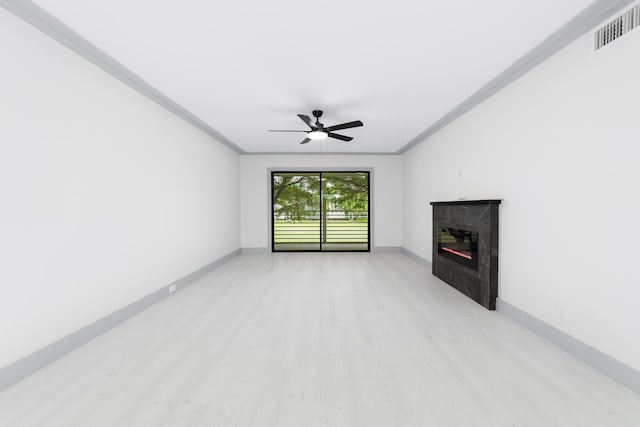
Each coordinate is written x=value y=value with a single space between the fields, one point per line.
x=317 y=135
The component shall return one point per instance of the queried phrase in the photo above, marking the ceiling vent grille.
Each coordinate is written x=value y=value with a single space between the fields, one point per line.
x=618 y=27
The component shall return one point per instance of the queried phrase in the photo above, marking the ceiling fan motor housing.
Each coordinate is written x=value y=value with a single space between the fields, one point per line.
x=317 y=114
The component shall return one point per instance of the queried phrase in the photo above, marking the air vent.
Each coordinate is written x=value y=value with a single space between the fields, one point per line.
x=618 y=27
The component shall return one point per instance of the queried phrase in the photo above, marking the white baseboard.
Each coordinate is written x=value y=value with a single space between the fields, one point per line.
x=257 y=250
x=416 y=258
x=614 y=369
x=386 y=249
x=37 y=360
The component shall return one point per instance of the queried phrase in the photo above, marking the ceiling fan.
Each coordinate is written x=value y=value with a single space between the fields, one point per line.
x=319 y=131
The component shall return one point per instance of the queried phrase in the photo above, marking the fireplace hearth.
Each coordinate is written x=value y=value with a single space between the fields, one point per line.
x=465 y=247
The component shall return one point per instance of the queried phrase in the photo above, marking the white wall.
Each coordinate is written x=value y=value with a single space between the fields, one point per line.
x=105 y=197
x=386 y=187
x=561 y=147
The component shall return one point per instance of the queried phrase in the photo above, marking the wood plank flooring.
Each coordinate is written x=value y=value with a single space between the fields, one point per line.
x=319 y=339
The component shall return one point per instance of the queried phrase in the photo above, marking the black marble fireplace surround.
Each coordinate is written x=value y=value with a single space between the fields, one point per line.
x=465 y=247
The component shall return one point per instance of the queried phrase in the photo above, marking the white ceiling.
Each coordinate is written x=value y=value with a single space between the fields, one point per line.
x=244 y=67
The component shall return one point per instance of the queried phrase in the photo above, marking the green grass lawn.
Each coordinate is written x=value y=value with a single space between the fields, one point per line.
x=338 y=231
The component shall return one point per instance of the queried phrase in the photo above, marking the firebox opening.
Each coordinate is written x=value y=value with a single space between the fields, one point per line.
x=459 y=245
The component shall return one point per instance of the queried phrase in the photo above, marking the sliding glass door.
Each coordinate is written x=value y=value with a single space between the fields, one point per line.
x=320 y=211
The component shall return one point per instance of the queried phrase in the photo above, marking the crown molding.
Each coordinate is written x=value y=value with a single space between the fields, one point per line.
x=585 y=21
x=328 y=153
x=39 y=18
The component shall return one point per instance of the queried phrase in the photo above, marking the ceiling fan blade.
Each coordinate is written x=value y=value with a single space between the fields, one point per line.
x=338 y=136
x=305 y=141
x=307 y=120
x=355 y=124
x=279 y=130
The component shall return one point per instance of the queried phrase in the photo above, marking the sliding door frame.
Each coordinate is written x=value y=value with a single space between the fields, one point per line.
x=274 y=170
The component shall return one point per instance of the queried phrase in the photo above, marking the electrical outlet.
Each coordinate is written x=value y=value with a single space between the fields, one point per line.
x=172 y=288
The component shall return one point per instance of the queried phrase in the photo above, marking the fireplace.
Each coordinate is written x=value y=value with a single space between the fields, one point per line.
x=459 y=245
x=465 y=247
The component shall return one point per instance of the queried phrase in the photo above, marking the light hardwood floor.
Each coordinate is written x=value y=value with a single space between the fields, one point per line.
x=321 y=339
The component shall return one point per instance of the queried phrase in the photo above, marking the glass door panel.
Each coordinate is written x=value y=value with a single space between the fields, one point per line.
x=296 y=211
x=345 y=211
